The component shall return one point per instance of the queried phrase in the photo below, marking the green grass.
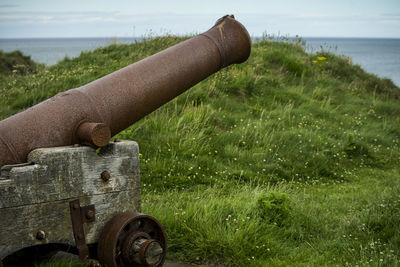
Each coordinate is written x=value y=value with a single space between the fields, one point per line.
x=17 y=63
x=61 y=263
x=285 y=160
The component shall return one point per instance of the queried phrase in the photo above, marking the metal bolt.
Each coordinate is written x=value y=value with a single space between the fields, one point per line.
x=89 y=214
x=40 y=235
x=105 y=176
x=116 y=140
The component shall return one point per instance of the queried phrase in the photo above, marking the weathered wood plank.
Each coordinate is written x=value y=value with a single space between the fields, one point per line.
x=36 y=197
x=67 y=172
x=20 y=225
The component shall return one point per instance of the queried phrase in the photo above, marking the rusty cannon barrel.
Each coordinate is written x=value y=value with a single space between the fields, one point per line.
x=102 y=108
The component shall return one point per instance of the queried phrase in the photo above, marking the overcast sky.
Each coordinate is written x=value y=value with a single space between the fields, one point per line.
x=131 y=18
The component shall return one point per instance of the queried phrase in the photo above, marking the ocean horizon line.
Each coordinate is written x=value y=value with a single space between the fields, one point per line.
x=380 y=56
x=180 y=35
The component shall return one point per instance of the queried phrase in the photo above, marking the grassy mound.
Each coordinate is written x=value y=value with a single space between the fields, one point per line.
x=290 y=159
x=16 y=62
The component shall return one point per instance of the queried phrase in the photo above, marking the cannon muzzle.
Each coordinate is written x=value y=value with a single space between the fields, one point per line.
x=96 y=111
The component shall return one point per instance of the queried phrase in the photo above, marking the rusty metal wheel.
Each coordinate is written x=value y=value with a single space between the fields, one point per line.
x=132 y=239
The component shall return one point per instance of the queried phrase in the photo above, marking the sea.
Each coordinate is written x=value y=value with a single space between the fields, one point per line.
x=376 y=55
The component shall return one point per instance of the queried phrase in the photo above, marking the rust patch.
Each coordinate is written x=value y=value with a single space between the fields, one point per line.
x=220 y=28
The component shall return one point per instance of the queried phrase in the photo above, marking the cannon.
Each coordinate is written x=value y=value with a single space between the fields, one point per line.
x=54 y=186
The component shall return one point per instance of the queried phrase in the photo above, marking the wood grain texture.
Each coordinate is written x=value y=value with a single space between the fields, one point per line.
x=36 y=197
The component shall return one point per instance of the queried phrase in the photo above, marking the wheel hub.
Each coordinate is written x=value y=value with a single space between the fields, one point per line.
x=132 y=239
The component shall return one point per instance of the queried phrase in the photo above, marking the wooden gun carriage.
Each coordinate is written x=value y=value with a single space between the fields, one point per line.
x=58 y=191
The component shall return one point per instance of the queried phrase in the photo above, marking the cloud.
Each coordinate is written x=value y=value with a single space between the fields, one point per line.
x=21 y=18
x=8 y=5
x=121 y=23
x=391 y=15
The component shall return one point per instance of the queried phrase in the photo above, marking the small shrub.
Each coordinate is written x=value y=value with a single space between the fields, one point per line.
x=274 y=207
x=292 y=64
x=16 y=62
x=355 y=148
x=241 y=83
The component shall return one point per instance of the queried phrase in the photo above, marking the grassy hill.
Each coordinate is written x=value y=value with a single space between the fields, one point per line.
x=16 y=62
x=290 y=159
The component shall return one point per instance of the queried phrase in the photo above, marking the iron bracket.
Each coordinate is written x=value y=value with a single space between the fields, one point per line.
x=79 y=216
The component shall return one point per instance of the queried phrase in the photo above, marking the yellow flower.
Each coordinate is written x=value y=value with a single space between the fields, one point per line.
x=314 y=61
x=321 y=58
x=140 y=155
